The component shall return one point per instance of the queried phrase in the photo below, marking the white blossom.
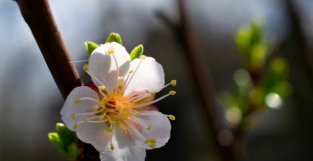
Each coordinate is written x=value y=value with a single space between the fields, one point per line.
x=119 y=118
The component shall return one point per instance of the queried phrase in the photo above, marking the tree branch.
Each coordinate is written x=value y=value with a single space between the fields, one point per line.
x=38 y=16
x=300 y=40
x=202 y=78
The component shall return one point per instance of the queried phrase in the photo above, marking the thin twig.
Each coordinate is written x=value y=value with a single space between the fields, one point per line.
x=38 y=16
x=202 y=78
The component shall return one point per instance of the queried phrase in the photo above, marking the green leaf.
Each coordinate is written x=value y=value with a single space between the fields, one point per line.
x=114 y=37
x=66 y=136
x=55 y=139
x=73 y=151
x=249 y=36
x=243 y=39
x=65 y=141
x=258 y=56
x=90 y=47
x=136 y=52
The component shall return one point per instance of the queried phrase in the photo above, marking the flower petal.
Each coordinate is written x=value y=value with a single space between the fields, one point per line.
x=121 y=140
x=153 y=126
x=103 y=66
x=71 y=107
x=95 y=134
x=148 y=75
x=133 y=153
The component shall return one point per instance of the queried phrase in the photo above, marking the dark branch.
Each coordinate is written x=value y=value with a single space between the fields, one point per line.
x=300 y=40
x=202 y=78
x=38 y=16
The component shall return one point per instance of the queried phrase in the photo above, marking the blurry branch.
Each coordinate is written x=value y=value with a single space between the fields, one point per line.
x=261 y=84
x=298 y=33
x=38 y=16
x=202 y=78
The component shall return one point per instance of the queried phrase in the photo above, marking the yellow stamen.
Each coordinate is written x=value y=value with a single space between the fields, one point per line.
x=143 y=57
x=149 y=127
x=101 y=88
x=172 y=92
x=173 y=82
x=85 y=67
x=125 y=132
x=112 y=147
x=75 y=126
x=73 y=116
x=78 y=101
x=111 y=51
x=103 y=101
x=171 y=117
x=151 y=142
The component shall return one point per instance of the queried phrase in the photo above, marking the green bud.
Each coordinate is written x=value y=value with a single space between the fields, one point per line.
x=55 y=139
x=90 y=47
x=65 y=141
x=136 y=52
x=67 y=137
x=114 y=37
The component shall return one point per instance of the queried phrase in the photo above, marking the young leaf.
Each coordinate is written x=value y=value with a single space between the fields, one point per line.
x=90 y=47
x=136 y=52
x=66 y=136
x=55 y=139
x=114 y=37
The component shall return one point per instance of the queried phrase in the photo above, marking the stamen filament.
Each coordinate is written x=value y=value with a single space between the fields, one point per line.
x=156 y=100
x=132 y=76
x=90 y=113
x=117 y=71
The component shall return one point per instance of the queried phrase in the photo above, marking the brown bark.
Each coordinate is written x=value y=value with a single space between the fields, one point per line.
x=37 y=15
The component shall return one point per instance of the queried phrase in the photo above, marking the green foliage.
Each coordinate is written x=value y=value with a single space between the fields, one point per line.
x=276 y=78
x=90 y=47
x=136 y=52
x=65 y=141
x=261 y=83
x=250 y=42
x=114 y=37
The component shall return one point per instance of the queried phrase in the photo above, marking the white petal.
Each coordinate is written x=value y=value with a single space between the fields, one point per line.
x=102 y=65
x=121 y=140
x=95 y=134
x=70 y=106
x=147 y=75
x=151 y=124
x=126 y=154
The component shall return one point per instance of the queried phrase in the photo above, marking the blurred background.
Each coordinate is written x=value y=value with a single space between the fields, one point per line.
x=30 y=100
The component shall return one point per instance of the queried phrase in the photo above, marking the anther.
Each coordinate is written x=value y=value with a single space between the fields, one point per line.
x=143 y=57
x=172 y=92
x=111 y=51
x=171 y=117
x=75 y=126
x=125 y=132
x=112 y=147
x=73 y=116
x=149 y=127
x=173 y=82
x=78 y=101
x=85 y=67
x=101 y=88
x=151 y=142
